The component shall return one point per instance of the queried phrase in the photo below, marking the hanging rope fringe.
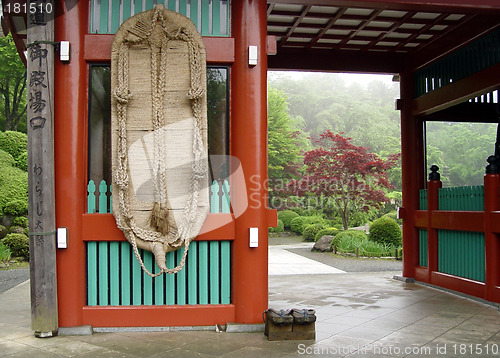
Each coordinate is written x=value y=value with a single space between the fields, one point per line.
x=166 y=234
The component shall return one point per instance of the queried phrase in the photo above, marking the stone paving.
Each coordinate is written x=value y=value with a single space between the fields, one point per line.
x=359 y=315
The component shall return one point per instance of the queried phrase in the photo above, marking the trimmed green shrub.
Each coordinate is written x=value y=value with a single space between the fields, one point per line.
x=3 y=231
x=326 y=231
x=394 y=215
x=296 y=225
x=22 y=161
x=21 y=221
x=16 y=230
x=18 y=245
x=14 y=143
x=286 y=216
x=386 y=231
x=13 y=186
x=311 y=230
x=278 y=229
x=16 y=207
x=352 y=235
x=299 y=223
x=6 y=160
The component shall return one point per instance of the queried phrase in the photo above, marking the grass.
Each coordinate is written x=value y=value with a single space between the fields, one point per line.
x=365 y=247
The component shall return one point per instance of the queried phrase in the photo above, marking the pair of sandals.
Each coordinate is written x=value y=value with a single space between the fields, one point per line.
x=295 y=315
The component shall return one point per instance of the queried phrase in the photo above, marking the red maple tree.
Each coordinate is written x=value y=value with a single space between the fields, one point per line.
x=350 y=177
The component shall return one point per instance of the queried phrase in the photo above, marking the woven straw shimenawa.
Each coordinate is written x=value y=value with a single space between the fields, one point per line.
x=159 y=133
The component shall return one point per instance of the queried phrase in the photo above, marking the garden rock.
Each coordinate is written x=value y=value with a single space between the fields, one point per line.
x=324 y=244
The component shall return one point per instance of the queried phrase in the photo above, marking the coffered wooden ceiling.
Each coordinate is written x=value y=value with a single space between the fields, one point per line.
x=372 y=36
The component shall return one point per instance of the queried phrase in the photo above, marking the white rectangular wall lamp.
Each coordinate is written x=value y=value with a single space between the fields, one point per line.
x=254 y=237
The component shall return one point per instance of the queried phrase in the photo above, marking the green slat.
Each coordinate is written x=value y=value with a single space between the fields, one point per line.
x=137 y=7
x=225 y=266
x=103 y=274
x=92 y=16
x=423 y=260
x=114 y=274
x=136 y=282
x=214 y=273
x=91 y=197
x=205 y=13
x=103 y=22
x=171 y=5
x=216 y=18
x=192 y=267
x=183 y=7
x=180 y=280
x=170 y=280
x=115 y=16
x=159 y=284
x=149 y=4
x=148 y=280
x=225 y=198
x=92 y=273
x=103 y=198
x=125 y=273
x=194 y=13
x=127 y=5
x=203 y=271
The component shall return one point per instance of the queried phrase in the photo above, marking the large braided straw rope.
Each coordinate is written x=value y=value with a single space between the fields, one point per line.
x=155 y=32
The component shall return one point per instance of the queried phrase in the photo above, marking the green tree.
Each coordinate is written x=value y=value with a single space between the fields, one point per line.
x=12 y=87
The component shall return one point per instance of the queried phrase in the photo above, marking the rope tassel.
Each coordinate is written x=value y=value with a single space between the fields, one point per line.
x=159 y=219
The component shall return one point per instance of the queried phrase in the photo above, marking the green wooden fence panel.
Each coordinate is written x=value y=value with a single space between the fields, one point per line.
x=469 y=198
x=214 y=273
x=422 y=248
x=462 y=254
x=423 y=199
x=225 y=280
x=136 y=282
x=159 y=286
x=125 y=273
x=91 y=197
x=92 y=273
x=219 y=198
x=103 y=273
x=107 y=15
x=181 y=279
x=475 y=57
x=170 y=281
x=203 y=272
x=114 y=274
x=147 y=281
x=225 y=198
x=192 y=263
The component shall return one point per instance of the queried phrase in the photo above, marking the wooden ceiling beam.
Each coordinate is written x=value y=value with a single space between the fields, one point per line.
x=337 y=61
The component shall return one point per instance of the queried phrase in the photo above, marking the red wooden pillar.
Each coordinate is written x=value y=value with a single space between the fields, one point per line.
x=249 y=145
x=412 y=162
x=70 y=154
x=492 y=240
x=433 y=187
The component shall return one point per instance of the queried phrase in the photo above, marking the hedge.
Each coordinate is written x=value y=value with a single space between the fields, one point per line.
x=278 y=229
x=311 y=230
x=286 y=216
x=326 y=231
x=14 y=143
x=386 y=231
x=18 y=245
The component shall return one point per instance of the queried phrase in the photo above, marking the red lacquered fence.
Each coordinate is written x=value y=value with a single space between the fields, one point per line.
x=459 y=242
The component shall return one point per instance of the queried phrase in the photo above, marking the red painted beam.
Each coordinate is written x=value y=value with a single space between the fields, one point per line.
x=459 y=284
x=249 y=144
x=491 y=239
x=458 y=220
x=70 y=109
x=420 y=219
x=219 y=49
x=458 y=92
x=157 y=316
x=102 y=227
x=495 y=221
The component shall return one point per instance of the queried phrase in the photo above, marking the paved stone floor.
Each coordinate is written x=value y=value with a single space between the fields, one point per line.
x=359 y=315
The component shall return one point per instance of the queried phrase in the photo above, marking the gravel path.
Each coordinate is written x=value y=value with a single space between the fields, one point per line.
x=12 y=278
